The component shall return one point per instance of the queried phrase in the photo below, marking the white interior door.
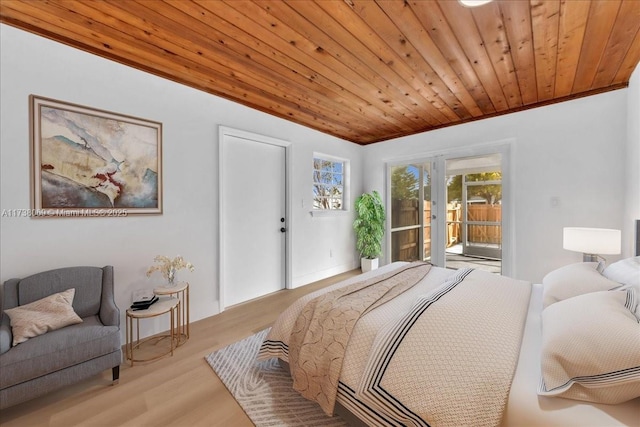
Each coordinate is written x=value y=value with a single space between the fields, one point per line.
x=253 y=217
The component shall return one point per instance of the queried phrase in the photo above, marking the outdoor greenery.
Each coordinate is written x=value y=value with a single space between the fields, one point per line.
x=491 y=193
x=404 y=185
x=369 y=224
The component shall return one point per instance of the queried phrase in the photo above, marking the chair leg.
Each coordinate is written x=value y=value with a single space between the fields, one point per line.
x=115 y=371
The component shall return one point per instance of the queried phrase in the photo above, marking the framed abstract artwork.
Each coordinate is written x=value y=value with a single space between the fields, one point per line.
x=88 y=162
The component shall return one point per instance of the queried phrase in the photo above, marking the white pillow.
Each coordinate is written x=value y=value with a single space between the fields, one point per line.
x=626 y=271
x=591 y=348
x=573 y=280
x=41 y=316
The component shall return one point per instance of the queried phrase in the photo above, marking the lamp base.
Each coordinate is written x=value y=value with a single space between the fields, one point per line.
x=589 y=258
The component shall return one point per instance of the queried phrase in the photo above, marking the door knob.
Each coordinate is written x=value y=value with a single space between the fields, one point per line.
x=281 y=219
x=283 y=229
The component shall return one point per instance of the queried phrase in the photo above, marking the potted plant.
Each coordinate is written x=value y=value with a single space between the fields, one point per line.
x=369 y=226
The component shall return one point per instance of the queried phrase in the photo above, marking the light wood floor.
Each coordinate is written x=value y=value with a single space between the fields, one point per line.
x=181 y=390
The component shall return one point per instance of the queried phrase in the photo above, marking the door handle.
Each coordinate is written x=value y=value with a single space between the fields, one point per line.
x=282 y=229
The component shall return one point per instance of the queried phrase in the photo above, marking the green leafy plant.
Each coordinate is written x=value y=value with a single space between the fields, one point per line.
x=369 y=224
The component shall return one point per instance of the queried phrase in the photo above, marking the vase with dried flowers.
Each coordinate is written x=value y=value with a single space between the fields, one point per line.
x=168 y=267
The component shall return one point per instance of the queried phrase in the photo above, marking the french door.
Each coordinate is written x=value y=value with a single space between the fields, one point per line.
x=411 y=232
x=448 y=210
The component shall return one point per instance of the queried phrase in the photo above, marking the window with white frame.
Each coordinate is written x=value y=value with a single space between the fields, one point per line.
x=329 y=182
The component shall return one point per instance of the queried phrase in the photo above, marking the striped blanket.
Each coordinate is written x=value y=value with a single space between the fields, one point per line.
x=441 y=353
x=321 y=333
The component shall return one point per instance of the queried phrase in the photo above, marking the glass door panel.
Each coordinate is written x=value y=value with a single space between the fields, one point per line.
x=484 y=219
x=474 y=212
x=410 y=212
x=405 y=245
x=427 y=211
x=448 y=210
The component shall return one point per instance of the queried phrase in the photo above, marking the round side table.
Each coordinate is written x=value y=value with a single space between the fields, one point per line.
x=180 y=291
x=169 y=305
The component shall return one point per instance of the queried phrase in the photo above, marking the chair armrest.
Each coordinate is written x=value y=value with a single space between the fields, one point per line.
x=6 y=337
x=8 y=299
x=109 y=312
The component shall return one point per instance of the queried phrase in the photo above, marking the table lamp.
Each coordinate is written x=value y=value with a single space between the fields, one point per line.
x=592 y=242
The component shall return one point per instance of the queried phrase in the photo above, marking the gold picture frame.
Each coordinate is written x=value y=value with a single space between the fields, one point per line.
x=94 y=163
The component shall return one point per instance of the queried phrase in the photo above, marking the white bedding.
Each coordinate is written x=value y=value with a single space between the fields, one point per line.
x=526 y=409
x=524 y=406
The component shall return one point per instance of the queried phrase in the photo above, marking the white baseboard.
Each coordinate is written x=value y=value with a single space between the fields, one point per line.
x=323 y=274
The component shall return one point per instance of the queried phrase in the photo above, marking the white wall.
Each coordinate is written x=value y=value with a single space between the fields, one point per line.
x=322 y=245
x=632 y=165
x=33 y=65
x=572 y=151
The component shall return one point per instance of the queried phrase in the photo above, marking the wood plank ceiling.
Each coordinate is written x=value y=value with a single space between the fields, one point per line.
x=362 y=70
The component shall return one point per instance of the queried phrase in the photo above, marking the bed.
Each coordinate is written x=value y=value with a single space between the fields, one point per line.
x=483 y=369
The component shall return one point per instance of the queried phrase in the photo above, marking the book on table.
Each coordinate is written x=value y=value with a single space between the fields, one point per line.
x=143 y=304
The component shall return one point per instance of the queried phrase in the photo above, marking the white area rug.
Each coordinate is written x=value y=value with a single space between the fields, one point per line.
x=264 y=389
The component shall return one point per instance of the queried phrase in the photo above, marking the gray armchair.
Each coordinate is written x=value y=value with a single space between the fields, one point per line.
x=64 y=356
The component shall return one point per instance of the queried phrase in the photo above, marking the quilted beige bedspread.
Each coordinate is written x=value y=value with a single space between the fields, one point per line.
x=442 y=353
x=450 y=359
x=322 y=330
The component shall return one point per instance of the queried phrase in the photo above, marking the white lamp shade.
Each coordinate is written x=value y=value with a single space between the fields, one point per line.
x=603 y=241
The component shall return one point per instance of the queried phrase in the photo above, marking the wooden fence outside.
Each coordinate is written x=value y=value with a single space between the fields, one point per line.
x=404 y=243
x=485 y=233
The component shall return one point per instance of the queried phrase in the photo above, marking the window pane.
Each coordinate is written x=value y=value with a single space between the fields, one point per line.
x=404 y=196
x=426 y=181
x=404 y=182
x=484 y=235
x=328 y=184
x=404 y=213
x=326 y=178
x=404 y=245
